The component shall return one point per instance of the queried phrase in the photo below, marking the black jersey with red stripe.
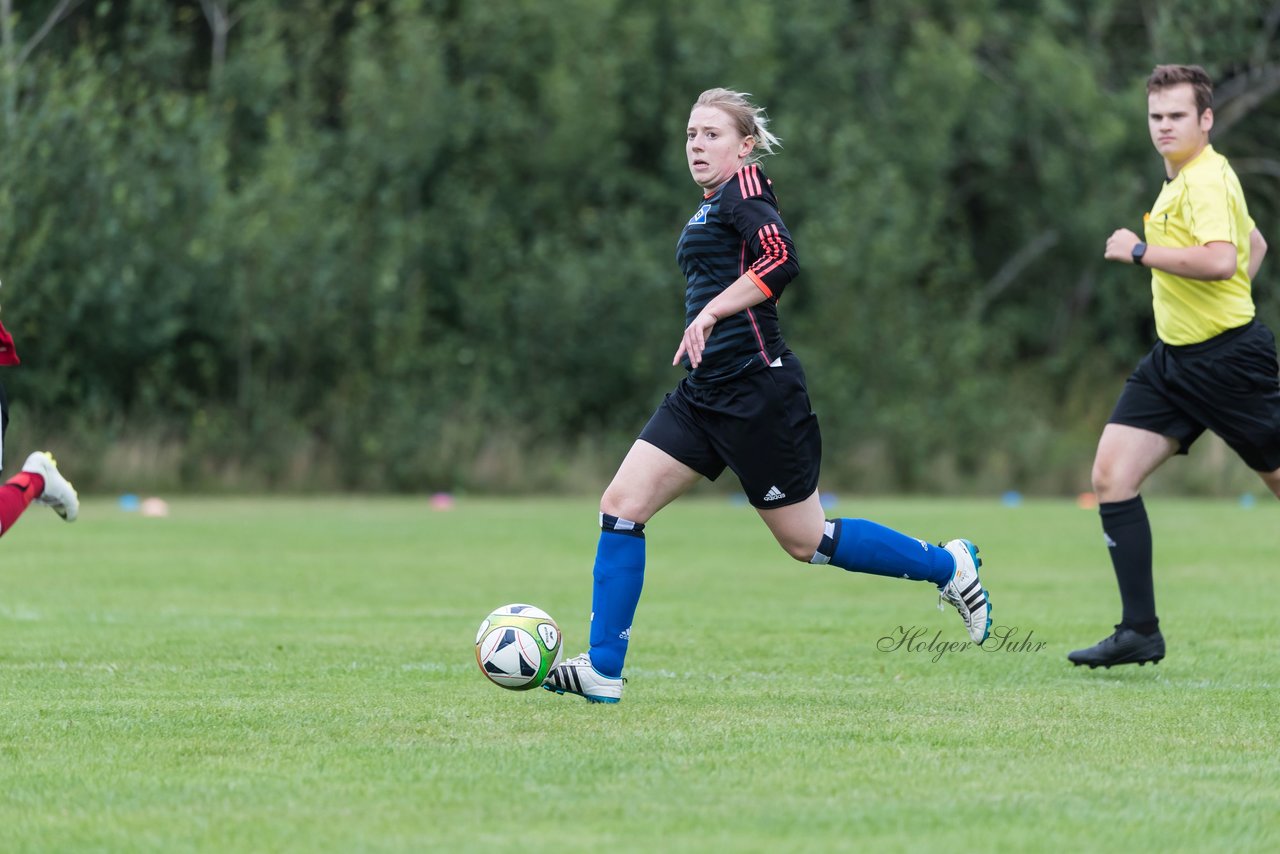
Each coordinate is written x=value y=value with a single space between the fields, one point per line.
x=737 y=230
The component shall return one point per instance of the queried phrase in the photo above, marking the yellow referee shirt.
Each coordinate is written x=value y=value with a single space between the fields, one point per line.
x=1203 y=204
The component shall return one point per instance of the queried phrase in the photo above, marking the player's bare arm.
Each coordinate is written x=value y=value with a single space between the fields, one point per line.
x=1211 y=262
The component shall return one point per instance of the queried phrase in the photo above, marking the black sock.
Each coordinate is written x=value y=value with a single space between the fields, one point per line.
x=1128 y=534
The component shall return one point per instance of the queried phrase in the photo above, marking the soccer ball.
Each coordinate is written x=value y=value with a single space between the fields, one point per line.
x=517 y=646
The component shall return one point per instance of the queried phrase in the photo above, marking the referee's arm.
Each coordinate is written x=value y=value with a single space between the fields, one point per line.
x=1257 y=251
x=1211 y=262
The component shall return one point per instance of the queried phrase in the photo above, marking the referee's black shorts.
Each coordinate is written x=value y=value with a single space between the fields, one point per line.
x=1229 y=384
x=761 y=426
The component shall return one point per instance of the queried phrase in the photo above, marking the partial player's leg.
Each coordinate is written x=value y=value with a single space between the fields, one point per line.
x=777 y=458
x=1246 y=413
x=860 y=545
x=798 y=528
x=40 y=482
x=648 y=480
x=1126 y=456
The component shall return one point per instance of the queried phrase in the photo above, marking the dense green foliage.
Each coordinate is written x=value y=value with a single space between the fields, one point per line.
x=297 y=675
x=429 y=244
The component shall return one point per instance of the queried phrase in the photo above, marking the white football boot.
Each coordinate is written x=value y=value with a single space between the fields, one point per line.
x=965 y=590
x=578 y=676
x=58 y=491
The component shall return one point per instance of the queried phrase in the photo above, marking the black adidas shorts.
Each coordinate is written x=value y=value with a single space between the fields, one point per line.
x=760 y=426
x=1229 y=384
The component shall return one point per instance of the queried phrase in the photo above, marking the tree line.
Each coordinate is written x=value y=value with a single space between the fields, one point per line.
x=429 y=244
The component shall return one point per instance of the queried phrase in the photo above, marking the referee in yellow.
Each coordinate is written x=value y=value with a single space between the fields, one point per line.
x=1214 y=365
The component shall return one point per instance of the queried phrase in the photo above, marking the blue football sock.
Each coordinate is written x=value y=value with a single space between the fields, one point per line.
x=619 y=576
x=859 y=545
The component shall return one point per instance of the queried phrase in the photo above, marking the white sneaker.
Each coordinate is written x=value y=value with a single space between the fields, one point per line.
x=578 y=676
x=58 y=491
x=965 y=590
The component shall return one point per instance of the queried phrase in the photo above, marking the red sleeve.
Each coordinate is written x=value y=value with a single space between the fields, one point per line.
x=8 y=353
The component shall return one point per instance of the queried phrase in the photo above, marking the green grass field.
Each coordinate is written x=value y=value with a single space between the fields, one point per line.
x=289 y=675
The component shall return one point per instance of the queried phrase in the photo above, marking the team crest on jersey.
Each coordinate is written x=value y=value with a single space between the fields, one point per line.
x=700 y=218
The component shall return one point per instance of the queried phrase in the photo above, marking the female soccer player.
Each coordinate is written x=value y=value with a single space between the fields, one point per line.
x=743 y=405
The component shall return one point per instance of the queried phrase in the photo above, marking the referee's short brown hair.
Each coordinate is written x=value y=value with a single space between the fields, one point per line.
x=1165 y=76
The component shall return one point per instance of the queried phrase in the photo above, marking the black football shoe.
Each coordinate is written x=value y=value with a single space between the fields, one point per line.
x=1126 y=646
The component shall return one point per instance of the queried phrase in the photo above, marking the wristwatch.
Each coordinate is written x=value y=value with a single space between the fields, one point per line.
x=1139 y=250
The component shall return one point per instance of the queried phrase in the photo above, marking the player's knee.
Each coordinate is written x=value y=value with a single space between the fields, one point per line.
x=800 y=548
x=1100 y=476
x=802 y=553
x=616 y=502
x=796 y=550
x=1108 y=483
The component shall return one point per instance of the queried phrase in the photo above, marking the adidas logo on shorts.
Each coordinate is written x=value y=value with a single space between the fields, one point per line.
x=774 y=494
